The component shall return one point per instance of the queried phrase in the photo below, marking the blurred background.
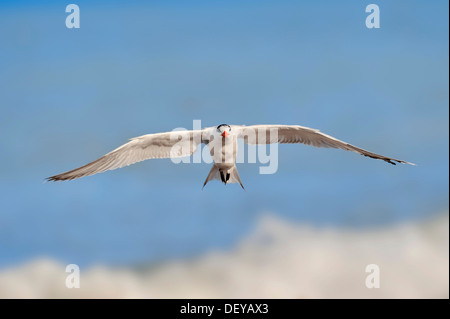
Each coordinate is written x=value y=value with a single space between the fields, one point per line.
x=68 y=96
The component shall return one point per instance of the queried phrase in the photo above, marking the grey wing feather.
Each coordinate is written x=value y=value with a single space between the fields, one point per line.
x=161 y=145
x=261 y=134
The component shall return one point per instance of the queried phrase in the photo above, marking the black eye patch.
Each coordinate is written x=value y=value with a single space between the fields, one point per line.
x=218 y=128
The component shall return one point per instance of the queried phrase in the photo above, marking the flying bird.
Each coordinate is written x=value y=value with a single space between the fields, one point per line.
x=222 y=144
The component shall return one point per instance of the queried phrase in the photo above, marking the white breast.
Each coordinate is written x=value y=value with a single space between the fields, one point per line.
x=223 y=151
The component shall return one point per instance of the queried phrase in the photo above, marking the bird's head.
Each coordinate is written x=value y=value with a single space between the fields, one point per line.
x=224 y=130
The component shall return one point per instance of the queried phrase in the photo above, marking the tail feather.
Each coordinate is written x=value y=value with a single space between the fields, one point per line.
x=234 y=177
x=213 y=174
x=230 y=176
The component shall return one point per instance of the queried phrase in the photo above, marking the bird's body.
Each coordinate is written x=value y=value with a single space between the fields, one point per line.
x=223 y=151
x=222 y=142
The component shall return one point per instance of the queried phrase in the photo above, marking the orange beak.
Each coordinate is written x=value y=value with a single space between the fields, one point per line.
x=225 y=134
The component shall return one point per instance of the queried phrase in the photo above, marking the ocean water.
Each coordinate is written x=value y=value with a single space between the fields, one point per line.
x=70 y=96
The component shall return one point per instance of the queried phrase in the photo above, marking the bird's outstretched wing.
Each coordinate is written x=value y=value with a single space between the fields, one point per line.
x=261 y=134
x=160 y=145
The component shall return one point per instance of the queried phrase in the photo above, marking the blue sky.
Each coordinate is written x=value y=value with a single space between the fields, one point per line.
x=135 y=67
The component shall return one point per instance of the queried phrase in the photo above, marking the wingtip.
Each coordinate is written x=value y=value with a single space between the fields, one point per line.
x=404 y=162
x=399 y=161
x=55 y=178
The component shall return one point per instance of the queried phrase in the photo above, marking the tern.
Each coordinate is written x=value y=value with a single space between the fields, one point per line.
x=222 y=144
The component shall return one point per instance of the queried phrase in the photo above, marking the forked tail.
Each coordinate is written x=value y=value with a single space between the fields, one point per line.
x=226 y=176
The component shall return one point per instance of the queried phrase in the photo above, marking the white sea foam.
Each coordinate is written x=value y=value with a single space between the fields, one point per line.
x=278 y=260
